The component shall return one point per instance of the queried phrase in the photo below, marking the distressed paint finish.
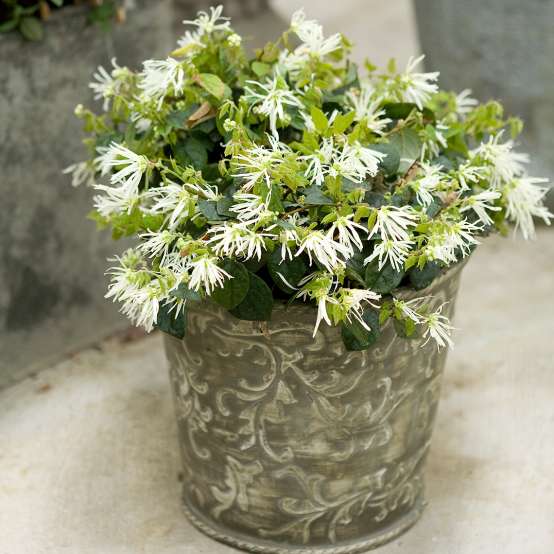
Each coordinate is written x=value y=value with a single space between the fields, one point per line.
x=293 y=444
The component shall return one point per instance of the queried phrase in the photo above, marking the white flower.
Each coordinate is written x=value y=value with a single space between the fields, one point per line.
x=133 y=285
x=354 y=162
x=353 y=300
x=157 y=243
x=107 y=84
x=178 y=201
x=116 y=200
x=393 y=251
x=235 y=239
x=142 y=124
x=250 y=208
x=438 y=328
x=133 y=166
x=317 y=286
x=82 y=172
x=160 y=77
x=206 y=273
x=207 y=23
x=257 y=162
x=434 y=141
x=234 y=40
x=367 y=108
x=393 y=222
x=480 y=204
x=469 y=173
x=311 y=35
x=427 y=184
x=418 y=87
x=347 y=231
x=288 y=233
x=524 y=200
x=452 y=238
x=408 y=308
x=324 y=249
x=464 y=102
x=271 y=100
x=506 y=163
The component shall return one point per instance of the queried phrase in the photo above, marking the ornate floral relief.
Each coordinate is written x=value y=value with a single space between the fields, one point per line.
x=238 y=477
x=189 y=389
x=379 y=493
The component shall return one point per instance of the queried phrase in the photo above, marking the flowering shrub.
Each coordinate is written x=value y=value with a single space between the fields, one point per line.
x=290 y=177
x=27 y=16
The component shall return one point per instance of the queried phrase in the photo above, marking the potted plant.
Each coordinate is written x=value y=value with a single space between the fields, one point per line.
x=301 y=231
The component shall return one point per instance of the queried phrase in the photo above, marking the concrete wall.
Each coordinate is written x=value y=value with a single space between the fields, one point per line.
x=502 y=49
x=51 y=259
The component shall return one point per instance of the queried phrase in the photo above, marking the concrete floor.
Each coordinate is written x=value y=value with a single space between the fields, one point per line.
x=89 y=461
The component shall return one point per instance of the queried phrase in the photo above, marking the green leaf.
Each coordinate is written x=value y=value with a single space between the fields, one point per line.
x=31 y=29
x=319 y=118
x=291 y=270
x=342 y=122
x=422 y=278
x=357 y=337
x=399 y=110
x=233 y=291
x=9 y=25
x=258 y=302
x=408 y=144
x=315 y=196
x=191 y=152
x=171 y=324
x=405 y=328
x=208 y=208
x=260 y=68
x=382 y=281
x=391 y=161
x=185 y=293
x=58 y=3
x=212 y=84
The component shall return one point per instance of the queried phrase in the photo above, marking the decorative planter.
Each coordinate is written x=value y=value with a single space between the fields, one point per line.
x=53 y=264
x=488 y=47
x=293 y=444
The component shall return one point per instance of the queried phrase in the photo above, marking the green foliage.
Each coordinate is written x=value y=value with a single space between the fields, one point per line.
x=257 y=303
x=357 y=337
x=170 y=323
x=234 y=290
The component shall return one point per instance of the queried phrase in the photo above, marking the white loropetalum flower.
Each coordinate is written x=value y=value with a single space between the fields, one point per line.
x=354 y=301
x=206 y=274
x=438 y=328
x=250 y=208
x=324 y=249
x=367 y=108
x=133 y=166
x=271 y=99
x=107 y=85
x=418 y=87
x=394 y=222
x=467 y=173
x=348 y=232
x=115 y=200
x=524 y=200
x=464 y=102
x=157 y=243
x=257 y=162
x=408 y=308
x=317 y=286
x=393 y=251
x=451 y=239
x=82 y=172
x=481 y=204
x=505 y=163
x=160 y=77
x=428 y=183
x=235 y=239
x=354 y=162
x=207 y=23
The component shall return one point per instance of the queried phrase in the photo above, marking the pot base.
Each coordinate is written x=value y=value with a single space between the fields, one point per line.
x=261 y=546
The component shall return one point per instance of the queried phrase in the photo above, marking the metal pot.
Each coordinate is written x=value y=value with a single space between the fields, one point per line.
x=290 y=443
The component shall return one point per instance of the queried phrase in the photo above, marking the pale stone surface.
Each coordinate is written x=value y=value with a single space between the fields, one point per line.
x=89 y=460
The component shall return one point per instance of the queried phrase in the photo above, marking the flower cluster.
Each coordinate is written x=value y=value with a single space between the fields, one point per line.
x=292 y=177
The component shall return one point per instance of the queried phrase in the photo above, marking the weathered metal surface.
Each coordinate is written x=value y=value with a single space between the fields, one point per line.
x=293 y=444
